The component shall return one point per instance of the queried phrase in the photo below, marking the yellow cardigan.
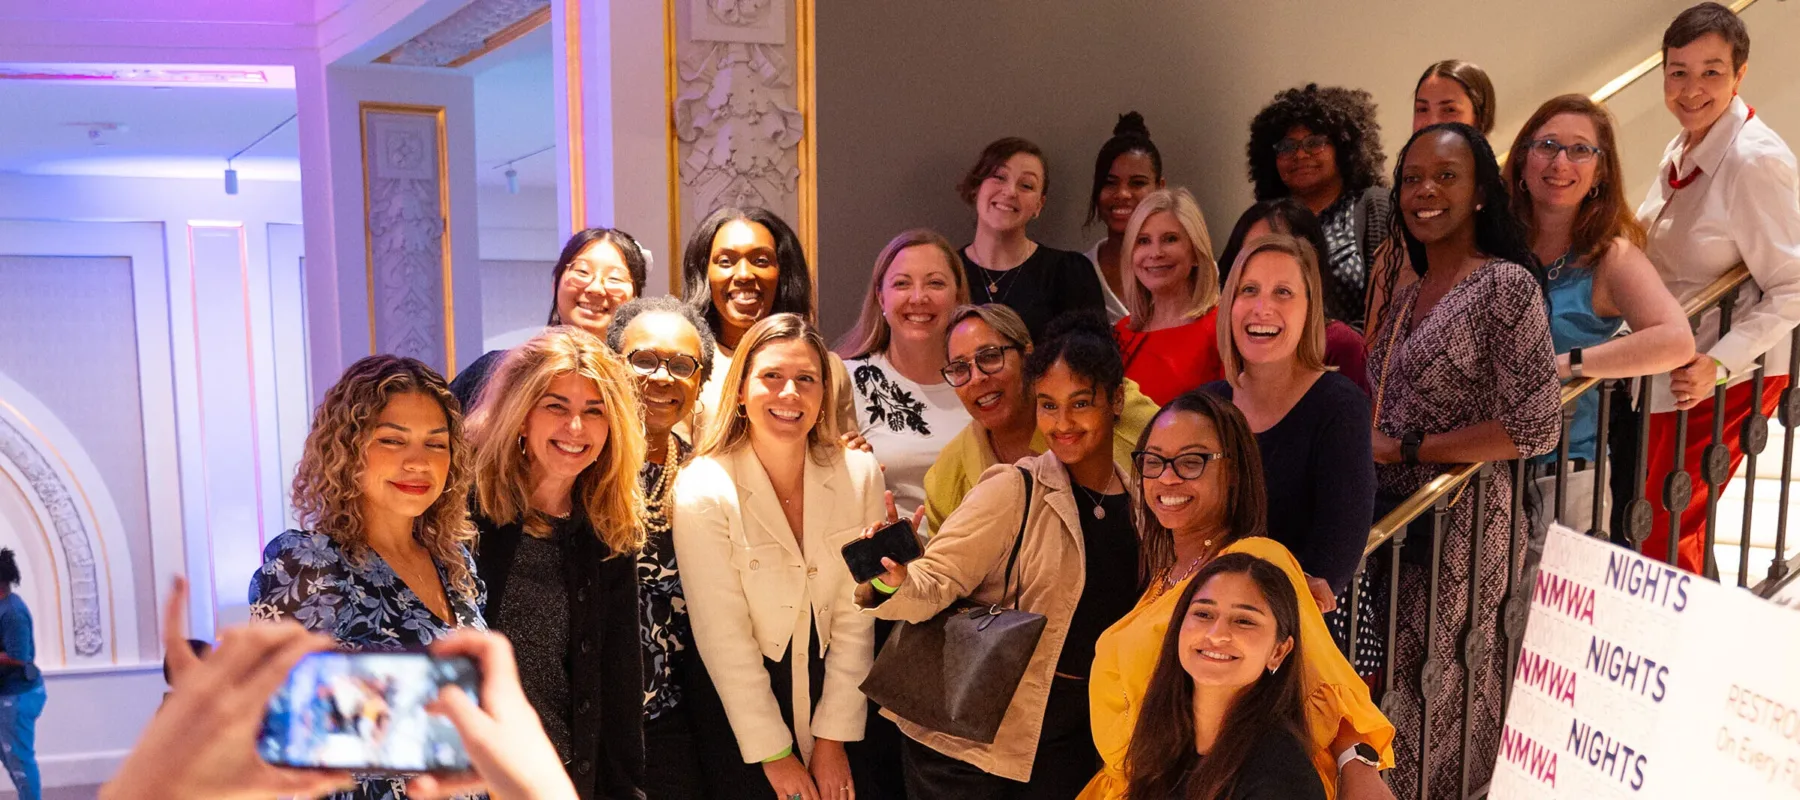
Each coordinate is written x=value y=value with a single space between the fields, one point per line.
x=960 y=464
x=1336 y=699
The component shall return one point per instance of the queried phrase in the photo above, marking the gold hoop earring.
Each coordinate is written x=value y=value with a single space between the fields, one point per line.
x=522 y=450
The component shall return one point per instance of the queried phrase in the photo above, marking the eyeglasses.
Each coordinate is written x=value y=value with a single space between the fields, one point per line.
x=1313 y=145
x=1188 y=466
x=987 y=359
x=1546 y=150
x=647 y=362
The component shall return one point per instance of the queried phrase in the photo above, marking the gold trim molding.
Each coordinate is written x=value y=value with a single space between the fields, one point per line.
x=436 y=113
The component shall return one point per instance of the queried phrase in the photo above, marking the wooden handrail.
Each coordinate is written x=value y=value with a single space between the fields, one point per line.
x=1441 y=486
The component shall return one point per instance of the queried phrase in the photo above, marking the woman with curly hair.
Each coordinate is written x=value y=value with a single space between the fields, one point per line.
x=1464 y=373
x=558 y=509
x=1322 y=146
x=382 y=562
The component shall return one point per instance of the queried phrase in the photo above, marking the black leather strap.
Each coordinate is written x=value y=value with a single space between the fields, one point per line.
x=1024 y=518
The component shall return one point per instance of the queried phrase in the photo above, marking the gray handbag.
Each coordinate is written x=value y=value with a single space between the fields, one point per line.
x=956 y=672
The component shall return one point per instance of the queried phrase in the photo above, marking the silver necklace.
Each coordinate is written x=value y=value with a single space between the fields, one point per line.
x=1099 y=510
x=1556 y=267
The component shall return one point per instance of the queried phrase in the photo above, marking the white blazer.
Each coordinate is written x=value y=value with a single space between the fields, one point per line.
x=751 y=587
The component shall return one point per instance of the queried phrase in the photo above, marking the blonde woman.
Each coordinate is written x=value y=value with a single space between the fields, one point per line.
x=895 y=356
x=760 y=516
x=558 y=509
x=382 y=490
x=1168 y=340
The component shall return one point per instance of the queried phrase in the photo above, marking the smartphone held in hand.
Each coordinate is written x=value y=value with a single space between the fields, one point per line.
x=895 y=541
x=365 y=712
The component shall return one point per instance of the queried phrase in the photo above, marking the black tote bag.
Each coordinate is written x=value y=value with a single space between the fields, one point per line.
x=956 y=672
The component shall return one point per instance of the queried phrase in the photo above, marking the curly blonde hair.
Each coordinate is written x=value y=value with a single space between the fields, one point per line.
x=327 y=492
x=608 y=489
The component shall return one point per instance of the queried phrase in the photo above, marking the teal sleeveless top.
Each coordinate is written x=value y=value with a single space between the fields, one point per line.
x=1574 y=323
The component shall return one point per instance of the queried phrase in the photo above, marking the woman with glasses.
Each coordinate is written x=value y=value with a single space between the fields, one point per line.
x=895 y=356
x=599 y=270
x=1568 y=192
x=1322 y=146
x=1077 y=554
x=1172 y=290
x=987 y=347
x=670 y=350
x=1199 y=495
x=1311 y=423
x=559 y=516
x=1726 y=192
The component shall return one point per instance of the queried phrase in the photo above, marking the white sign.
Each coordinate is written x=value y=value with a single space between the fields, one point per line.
x=1639 y=680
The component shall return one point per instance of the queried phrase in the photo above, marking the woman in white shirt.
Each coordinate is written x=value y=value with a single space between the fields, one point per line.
x=1725 y=192
x=1129 y=166
x=895 y=356
x=760 y=516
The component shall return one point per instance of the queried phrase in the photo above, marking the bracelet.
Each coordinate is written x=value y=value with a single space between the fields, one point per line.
x=882 y=587
x=1724 y=374
x=785 y=752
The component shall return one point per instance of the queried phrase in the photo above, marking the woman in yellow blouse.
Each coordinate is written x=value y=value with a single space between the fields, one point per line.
x=1193 y=510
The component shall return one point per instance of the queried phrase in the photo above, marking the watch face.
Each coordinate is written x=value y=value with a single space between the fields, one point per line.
x=1368 y=753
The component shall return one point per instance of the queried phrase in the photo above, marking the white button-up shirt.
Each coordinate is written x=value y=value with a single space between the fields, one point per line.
x=1744 y=205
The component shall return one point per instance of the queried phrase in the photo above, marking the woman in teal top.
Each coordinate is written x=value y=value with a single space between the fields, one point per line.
x=1564 y=174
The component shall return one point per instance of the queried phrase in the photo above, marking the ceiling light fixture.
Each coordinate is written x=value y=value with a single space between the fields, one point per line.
x=231 y=176
x=512 y=175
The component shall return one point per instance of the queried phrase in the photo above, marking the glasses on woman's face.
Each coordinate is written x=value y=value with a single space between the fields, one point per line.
x=647 y=362
x=1546 y=150
x=1312 y=145
x=1188 y=466
x=987 y=359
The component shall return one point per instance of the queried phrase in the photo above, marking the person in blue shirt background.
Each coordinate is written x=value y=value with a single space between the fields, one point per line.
x=21 y=685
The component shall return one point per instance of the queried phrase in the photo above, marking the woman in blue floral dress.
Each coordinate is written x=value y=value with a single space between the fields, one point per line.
x=382 y=490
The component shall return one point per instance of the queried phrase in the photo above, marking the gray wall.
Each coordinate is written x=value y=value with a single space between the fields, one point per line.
x=908 y=93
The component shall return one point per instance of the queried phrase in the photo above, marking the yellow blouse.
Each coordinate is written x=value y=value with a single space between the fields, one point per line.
x=1336 y=699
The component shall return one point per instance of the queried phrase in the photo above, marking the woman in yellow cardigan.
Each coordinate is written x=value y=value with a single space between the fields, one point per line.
x=1202 y=496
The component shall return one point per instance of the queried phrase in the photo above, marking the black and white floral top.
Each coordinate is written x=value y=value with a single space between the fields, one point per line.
x=906 y=424
x=664 y=628
x=308 y=578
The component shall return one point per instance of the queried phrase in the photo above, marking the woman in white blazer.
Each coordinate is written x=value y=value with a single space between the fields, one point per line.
x=760 y=516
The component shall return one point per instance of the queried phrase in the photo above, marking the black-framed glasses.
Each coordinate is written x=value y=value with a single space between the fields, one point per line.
x=1579 y=153
x=987 y=359
x=1313 y=145
x=647 y=362
x=1188 y=466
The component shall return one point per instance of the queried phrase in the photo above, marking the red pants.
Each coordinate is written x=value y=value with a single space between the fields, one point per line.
x=1692 y=547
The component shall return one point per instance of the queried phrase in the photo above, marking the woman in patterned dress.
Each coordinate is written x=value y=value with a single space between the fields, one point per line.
x=557 y=451
x=382 y=562
x=1463 y=372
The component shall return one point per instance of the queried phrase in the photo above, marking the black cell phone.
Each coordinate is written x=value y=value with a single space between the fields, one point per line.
x=896 y=541
x=365 y=712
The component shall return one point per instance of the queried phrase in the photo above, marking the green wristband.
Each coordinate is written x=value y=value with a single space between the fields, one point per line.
x=882 y=587
x=1725 y=374
x=785 y=752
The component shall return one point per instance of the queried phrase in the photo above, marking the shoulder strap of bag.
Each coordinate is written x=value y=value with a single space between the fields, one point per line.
x=1018 y=541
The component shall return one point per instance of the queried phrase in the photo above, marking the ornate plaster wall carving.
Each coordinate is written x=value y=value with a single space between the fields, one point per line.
x=463 y=34
x=406 y=233
x=738 y=129
x=71 y=532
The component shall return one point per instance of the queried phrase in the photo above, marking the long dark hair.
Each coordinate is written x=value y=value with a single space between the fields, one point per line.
x=635 y=263
x=793 y=283
x=1246 y=507
x=1498 y=233
x=1603 y=217
x=1475 y=83
x=1161 y=753
x=1130 y=135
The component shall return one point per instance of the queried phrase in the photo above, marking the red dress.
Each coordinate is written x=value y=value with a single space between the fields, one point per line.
x=1170 y=362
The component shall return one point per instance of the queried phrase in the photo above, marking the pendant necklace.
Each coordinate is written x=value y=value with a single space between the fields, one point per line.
x=1556 y=267
x=1099 y=510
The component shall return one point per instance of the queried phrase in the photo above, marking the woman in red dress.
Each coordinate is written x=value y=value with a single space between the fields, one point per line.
x=1172 y=288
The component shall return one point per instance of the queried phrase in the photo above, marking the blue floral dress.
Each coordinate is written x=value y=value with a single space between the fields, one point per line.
x=308 y=578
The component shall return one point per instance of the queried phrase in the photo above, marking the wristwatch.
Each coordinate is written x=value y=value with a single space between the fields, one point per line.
x=1575 y=363
x=1409 y=446
x=1361 y=752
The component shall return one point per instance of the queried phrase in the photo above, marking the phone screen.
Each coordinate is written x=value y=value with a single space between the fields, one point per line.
x=366 y=712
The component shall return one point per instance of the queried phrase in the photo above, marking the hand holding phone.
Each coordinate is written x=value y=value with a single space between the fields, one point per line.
x=883 y=551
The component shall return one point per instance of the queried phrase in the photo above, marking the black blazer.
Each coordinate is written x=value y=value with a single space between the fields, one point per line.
x=605 y=660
